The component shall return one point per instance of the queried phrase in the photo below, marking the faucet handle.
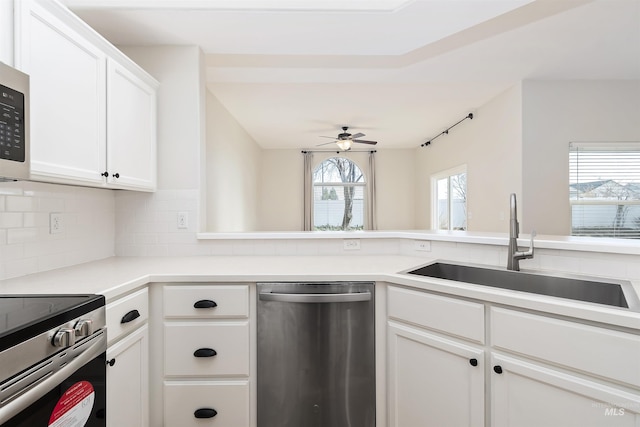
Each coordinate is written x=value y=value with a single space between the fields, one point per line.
x=529 y=252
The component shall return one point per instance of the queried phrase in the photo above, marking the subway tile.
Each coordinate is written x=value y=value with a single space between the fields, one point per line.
x=11 y=220
x=21 y=235
x=20 y=204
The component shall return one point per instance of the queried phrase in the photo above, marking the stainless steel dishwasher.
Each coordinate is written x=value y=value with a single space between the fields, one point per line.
x=316 y=354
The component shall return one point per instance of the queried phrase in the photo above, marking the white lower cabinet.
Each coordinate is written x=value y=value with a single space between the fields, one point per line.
x=435 y=381
x=206 y=403
x=532 y=370
x=206 y=346
x=526 y=394
x=128 y=360
x=127 y=380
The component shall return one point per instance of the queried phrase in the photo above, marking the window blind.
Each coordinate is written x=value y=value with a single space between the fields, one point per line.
x=604 y=189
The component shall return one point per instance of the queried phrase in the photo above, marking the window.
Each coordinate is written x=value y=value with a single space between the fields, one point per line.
x=449 y=199
x=604 y=189
x=338 y=195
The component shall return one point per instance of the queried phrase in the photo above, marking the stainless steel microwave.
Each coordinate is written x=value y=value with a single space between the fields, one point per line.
x=14 y=124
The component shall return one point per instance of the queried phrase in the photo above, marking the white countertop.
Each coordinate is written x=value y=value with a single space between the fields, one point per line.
x=578 y=243
x=117 y=276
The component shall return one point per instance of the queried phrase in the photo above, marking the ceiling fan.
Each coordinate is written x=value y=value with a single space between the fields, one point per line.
x=345 y=139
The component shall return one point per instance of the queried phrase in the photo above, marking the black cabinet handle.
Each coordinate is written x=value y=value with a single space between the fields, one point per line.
x=205 y=352
x=497 y=369
x=111 y=362
x=205 y=303
x=116 y=175
x=205 y=413
x=473 y=362
x=105 y=174
x=130 y=316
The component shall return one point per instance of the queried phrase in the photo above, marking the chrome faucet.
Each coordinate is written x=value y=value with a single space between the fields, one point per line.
x=513 y=261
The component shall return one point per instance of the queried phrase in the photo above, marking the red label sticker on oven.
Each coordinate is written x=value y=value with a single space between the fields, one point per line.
x=74 y=407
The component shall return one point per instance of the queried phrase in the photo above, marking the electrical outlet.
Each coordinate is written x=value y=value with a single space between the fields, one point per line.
x=422 y=245
x=351 y=244
x=56 y=223
x=183 y=220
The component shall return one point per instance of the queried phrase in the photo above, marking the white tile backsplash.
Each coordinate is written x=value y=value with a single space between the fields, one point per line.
x=27 y=247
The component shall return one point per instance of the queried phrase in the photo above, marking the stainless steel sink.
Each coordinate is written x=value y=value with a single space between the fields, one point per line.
x=617 y=293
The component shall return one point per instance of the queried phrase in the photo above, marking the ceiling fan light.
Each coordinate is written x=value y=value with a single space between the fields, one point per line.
x=344 y=144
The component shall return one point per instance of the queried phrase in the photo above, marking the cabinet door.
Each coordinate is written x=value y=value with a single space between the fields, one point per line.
x=131 y=130
x=68 y=95
x=525 y=394
x=433 y=380
x=128 y=381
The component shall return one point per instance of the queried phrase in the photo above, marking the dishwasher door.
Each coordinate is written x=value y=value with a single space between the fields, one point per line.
x=316 y=354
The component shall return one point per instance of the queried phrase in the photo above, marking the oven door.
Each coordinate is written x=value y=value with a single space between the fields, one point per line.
x=74 y=396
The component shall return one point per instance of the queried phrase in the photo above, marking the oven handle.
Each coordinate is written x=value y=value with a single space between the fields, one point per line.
x=23 y=401
x=316 y=298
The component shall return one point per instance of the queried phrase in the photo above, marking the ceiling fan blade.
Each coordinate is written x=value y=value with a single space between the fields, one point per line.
x=362 y=141
x=357 y=135
x=326 y=143
x=332 y=137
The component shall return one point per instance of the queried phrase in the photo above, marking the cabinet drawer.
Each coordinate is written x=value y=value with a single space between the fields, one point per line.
x=122 y=317
x=230 y=301
x=229 y=340
x=229 y=399
x=593 y=350
x=452 y=316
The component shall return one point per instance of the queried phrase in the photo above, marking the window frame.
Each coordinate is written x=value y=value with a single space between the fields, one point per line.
x=435 y=216
x=363 y=184
x=574 y=179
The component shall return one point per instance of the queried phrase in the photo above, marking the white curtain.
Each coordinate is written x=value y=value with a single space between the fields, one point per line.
x=371 y=193
x=308 y=191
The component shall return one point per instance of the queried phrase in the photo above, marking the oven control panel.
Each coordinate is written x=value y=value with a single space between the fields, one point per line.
x=12 y=139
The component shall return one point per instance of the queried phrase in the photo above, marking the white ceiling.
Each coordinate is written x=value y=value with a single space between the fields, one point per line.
x=399 y=71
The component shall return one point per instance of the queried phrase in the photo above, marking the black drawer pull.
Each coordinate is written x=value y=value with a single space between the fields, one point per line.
x=205 y=303
x=497 y=369
x=130 y=316
x=111 y=362
x=205 y=413
x=205 y=352
x=473 y=362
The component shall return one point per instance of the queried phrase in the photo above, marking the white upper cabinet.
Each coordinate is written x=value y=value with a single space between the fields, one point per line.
x=131 y=129
x=68 y=96
x=93 y=111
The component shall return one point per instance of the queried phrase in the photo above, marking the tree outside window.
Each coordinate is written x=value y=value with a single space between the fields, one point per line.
x=338 y=202
x=450 y=200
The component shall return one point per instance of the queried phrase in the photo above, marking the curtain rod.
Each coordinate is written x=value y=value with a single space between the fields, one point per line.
x=445 y=132
x=338 y=151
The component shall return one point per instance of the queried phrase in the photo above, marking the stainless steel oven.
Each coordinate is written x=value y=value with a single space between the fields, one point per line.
x=52 y=361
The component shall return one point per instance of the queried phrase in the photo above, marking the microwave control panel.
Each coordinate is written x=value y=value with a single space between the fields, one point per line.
x=12 y=139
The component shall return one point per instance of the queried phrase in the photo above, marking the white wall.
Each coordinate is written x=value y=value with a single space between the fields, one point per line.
x=554 y=114
x=281 y=190
x=282 y=187
x=233 y=163
x=490 y=146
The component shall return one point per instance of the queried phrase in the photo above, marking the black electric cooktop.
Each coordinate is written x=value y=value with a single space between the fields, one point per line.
x=25 y=316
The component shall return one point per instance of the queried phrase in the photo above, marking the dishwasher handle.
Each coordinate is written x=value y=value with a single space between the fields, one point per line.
x=316 y=298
